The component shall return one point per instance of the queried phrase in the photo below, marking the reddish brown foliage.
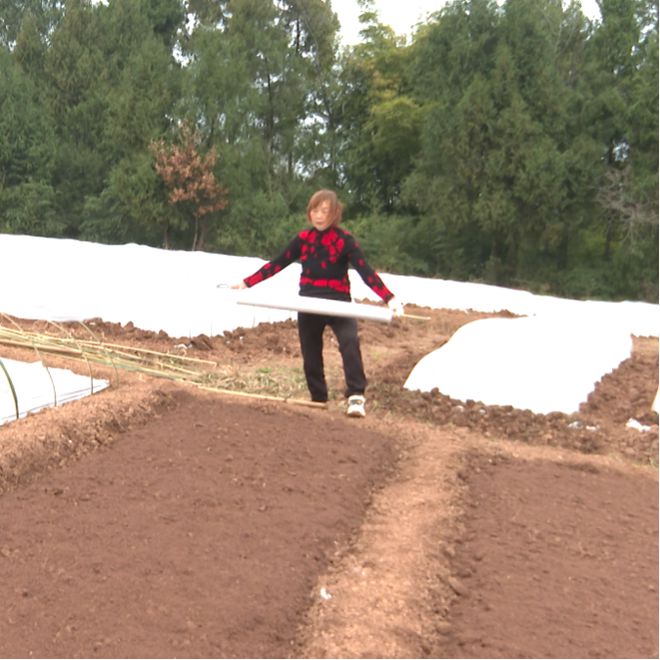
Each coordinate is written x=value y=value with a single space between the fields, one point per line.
x=189 y=177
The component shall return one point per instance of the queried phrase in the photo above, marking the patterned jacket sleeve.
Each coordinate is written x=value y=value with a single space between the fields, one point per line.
x=288 y=256
x=367 y=273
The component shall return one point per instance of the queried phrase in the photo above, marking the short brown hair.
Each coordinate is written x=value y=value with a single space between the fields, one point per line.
x=321 y=196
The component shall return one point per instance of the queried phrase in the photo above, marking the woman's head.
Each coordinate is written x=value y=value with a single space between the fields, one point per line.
x=324 y=209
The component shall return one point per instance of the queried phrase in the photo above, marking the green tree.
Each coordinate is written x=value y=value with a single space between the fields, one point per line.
x=623 y=84
x=451 y=65
x=30 y=49
x=45 y=13
x=522 y=106
x=27 y=148
x=380 y=119
x=75 y=99
x=111 y=81
x=254 y=89
x=132 y=207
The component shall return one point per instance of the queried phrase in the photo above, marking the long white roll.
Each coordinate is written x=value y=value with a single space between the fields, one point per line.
x=319 y=306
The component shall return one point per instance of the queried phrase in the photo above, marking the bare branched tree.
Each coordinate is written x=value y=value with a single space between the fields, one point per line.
x=624 y=211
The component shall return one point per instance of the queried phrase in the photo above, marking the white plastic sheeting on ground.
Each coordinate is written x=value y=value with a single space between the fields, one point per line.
x=176 y=291
x=170 y=290
x=544 y=365
x=37 y=387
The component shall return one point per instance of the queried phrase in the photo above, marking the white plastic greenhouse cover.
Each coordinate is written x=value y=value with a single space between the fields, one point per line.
x=36 y=386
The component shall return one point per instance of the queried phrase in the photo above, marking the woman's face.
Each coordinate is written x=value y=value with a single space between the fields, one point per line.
x=321 y=216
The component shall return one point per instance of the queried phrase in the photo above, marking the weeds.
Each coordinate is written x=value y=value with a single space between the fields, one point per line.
x=281 y=381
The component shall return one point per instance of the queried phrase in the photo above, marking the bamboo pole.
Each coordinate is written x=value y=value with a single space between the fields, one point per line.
x=50 y=376
x=89 y=366
x=264 y=397
x=122 y=349
x=186 y=358
x=50 y=349
x=93 y=335
x=96 y=353
x=48 y=342
x=11 y=387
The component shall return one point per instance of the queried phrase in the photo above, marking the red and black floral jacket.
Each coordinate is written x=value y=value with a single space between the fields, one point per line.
x=325 y=257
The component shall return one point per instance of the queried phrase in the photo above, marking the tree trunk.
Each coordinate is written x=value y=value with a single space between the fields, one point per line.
x=201 y=235
x=195 y=235
x=166 y=236
x=609 y=235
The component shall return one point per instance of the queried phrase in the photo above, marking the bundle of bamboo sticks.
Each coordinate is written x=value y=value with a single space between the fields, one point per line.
x=115 y=356
x=172 y=366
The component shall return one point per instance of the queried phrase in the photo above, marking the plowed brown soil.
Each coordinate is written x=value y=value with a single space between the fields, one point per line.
x=155 y=519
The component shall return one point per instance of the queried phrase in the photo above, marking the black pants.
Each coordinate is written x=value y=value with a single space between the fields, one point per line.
x=310 y=329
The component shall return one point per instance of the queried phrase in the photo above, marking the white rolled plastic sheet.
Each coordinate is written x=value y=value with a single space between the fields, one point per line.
x=322 y=306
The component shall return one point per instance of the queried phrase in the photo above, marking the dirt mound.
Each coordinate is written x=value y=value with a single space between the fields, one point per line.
x=532 y=576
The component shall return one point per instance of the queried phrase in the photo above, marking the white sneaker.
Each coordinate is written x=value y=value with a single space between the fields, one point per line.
x=356 y=406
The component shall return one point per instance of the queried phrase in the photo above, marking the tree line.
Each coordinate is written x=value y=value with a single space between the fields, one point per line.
x=513 y=143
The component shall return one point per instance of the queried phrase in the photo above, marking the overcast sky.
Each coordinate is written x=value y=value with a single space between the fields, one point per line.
x=403 y=15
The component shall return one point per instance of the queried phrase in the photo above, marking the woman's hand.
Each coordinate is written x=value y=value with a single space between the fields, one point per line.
x=239 y=285
x=396 y=306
